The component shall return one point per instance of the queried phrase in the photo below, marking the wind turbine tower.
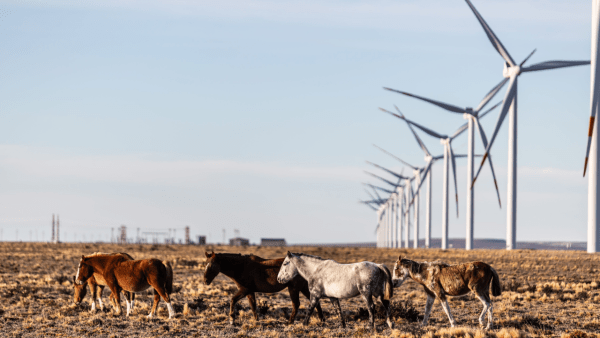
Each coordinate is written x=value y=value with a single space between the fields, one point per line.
x=593 y=144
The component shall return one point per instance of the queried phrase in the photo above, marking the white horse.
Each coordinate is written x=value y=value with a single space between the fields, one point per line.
x=328 y=278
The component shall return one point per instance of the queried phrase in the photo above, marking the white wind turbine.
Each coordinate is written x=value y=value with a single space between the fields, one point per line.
x=511 y=72
x=593 y=236
x=472 y=116
x=394 y=201
x=388 y=204
x=417 y=172
x=392 y=208
x=447 y=155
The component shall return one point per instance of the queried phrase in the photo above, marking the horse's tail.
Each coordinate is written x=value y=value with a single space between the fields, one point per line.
x=496 y=290
x=388 y=292
x=169 y=281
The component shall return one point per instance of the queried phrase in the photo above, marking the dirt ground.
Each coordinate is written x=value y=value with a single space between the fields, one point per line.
x=545 y=293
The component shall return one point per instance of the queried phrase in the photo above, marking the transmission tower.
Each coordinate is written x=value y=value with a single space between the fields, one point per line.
x=123 y=238
x=187 y=234
x=53 y=225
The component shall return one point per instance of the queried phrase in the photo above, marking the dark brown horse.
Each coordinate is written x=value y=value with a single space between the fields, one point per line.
x=254 y=274
x=130 y=275
x=96 y=284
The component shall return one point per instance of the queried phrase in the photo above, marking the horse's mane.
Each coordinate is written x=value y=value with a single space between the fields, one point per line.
x=415 y=267
x=96 y=254
x=309 y=256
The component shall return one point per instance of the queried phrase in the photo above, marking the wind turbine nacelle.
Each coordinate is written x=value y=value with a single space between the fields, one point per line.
x=509 y=71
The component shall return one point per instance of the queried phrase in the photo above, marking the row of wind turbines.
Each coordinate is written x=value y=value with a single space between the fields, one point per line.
x=398 y=200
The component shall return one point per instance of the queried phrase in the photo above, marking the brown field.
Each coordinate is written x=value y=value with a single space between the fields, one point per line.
x=546 y=293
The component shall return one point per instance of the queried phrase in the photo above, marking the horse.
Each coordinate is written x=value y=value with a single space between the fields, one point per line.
x=97 y=284
x=328 y=278
x=130 y=275
x=440 y=280
x=253 y=274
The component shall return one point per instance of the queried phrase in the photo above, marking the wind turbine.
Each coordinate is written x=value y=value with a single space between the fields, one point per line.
x=393 y=202
x=593 y=237
x=511 y=72
x=472 y=116
x=448 y=155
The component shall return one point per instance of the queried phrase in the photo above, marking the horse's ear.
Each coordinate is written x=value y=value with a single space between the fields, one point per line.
x=207 y=254
x=82 y=257
x=289 y=254
x=400 y=258
x=212 y=254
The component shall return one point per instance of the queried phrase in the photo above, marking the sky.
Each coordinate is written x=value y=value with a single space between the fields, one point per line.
x=259 y=116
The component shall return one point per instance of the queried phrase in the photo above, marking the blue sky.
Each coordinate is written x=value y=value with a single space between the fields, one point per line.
x=258 y=116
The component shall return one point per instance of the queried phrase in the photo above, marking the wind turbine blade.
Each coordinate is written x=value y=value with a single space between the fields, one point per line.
x=382 y=179
x=453 y=162
x=387 y=170
x=590 y=132
x=419 y=141
x=489 y=96
x=508 y=99
x=405 y=163
x=527 y=58
x=375 y=191
x=378 y=188
x=424 y=176
x=424 y=129
x=460 y=131
x=368 y=204
x=370 y=195
x=493 y=38
x=553 y=65
x=484 y=142
x=446 y=106
x=489 y=110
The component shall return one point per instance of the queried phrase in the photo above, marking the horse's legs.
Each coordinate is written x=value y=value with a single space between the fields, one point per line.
x=155 y=304
x=446 y=308
x=252 y=301
x=306 y=293
x=487 y=308
x=116 y=292
x=295 y=296
x=128 y=304
x=370 y=306
x=428 y=305
x=238 y=295
x=98 y=295
x=336 y=302
x=132 y=299
x=314 y=300
x=386 y=307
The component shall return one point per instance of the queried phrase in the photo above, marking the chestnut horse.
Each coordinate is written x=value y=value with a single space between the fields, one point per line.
x=130 y=275
x=254 y=274
x=97 y=284
x=440 y=280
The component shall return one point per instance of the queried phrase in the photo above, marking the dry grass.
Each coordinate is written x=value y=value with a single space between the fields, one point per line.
x=546 y=294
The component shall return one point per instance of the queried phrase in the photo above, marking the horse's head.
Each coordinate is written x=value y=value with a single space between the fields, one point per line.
x=84 y=271
x=79 y=291
x=288 y=270
x=401 y=271
x=212 y=268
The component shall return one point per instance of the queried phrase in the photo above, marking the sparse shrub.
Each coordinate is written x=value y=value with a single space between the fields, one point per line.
x=197 y=304
x=575 y=334
x=406 y=311
x=511 y=285
x=581 y=295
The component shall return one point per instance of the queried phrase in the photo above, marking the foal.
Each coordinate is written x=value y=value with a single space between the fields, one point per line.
x=254 y=274
x=130 y=275
x=97 y=284
x=440 y=280
x=328 y=278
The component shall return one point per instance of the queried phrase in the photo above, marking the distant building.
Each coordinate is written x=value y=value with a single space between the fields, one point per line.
x=238 y=241
x=201 y=240
x=272 y=242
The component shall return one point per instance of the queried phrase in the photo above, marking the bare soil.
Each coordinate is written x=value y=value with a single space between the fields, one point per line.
x=545 y=293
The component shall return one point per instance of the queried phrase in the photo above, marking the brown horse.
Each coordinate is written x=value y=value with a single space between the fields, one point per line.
x=255 y=274
x=97 y=284
x=440 y=280
x=130 y=275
